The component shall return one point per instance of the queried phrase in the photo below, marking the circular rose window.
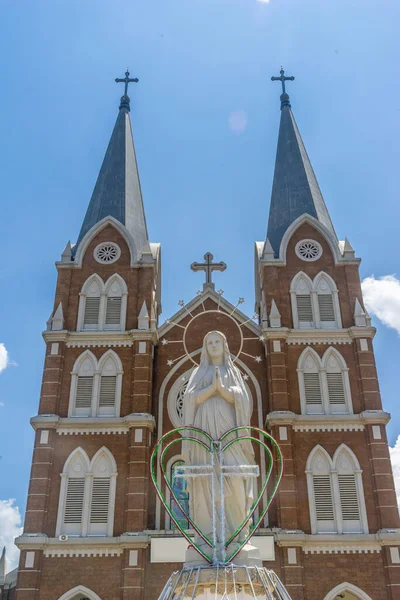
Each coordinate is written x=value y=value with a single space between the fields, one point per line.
x=308 y=250
x=107 y=253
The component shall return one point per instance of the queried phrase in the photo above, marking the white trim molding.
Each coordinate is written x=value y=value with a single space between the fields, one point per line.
x=334 y=543
x=95 y=287
x=308 y=423
x=99 y=339
x=318 y=336
x=100 y=425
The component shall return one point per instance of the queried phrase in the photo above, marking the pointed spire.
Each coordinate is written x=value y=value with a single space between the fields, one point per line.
x=143 y=318
x=57 y=322
x=295 y=190
x=360 y=318
x=117 y=192
x=348 y=250
x=274 y=315
x=268 y=251
x=66 y=256
x=3 y=566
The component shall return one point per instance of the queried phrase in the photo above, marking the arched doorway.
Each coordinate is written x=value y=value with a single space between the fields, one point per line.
x=347 y=591
x=80 y=593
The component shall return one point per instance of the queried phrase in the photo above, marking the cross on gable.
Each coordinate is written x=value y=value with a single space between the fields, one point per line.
x=208 y=266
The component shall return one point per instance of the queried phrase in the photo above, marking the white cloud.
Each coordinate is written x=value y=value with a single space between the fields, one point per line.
x=237 y=121
x=263 y=1
x=395 y=457
x=10 y=528
x=4 y=360
x=382 y=298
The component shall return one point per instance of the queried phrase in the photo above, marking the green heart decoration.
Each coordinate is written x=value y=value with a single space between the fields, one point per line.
x=159 y=453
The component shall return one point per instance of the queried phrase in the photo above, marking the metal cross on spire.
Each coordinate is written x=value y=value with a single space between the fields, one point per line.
x=126 y=80
x=282 y=79
x=208 y=266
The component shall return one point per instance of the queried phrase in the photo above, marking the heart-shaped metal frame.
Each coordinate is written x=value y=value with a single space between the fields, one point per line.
x=210 y=448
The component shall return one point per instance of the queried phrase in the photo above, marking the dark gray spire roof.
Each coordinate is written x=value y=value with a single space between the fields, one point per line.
x=295 y=190
x=117 y=192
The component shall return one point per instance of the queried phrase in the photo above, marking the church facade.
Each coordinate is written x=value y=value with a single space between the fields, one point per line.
x=114 y=379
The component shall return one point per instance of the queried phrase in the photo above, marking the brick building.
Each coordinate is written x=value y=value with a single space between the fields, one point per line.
x=114 y=380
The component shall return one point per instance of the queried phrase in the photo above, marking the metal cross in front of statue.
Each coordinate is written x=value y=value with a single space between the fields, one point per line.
x=208 y=266
x=282 y=79
x=218 y=496
x=127 y=81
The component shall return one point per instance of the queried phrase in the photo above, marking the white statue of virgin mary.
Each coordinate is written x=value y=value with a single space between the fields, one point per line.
x=216 y=400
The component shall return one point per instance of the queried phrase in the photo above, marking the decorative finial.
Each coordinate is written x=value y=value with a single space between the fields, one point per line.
x=284 y=95
x=125 y=100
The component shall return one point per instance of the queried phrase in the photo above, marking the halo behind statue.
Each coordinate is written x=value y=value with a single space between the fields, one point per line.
x=220 y=316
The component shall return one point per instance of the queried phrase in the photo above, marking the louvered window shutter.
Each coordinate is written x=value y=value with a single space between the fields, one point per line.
x=92 y=308
x=349 y=498
x=304 y=308
x=100 y=500
x=107 y=391
x=74 y=500
x=323 y=498
x=84 y=390
x=336 y=388
x=312 y=388
x=113 y=311
x=326 y=310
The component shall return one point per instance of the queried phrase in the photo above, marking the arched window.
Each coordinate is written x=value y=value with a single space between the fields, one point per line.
x=302 y=305
x=116 y=299
x=82 y=386
x=335 y=492
x=109 y=398
x=324 y=383
x=101 y=514
x=87 y=494
x=102 y=306
x=320 y=492
x=179 y=486
x=96 y=386
x=89 y=304
x=337 y=382
x=328 y=313
x=309 y=373
x=315 y=303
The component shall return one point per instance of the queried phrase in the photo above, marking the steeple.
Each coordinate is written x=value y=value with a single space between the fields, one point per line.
x=295 y=190
x=117 y=192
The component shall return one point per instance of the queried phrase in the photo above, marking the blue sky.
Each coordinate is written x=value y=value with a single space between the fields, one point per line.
x=205 y=118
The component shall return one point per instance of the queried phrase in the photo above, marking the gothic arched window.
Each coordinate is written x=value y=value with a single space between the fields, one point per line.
x=302 y=304
x=87 y=494
x=324 y=383
x=328 y=310
x=315 y=303
x=179 y=486
x=102 y=306
x=116 y=300
x=96 y=386
x=335 y=492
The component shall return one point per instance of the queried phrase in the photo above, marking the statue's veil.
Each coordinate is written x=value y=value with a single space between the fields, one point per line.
x=199 y=379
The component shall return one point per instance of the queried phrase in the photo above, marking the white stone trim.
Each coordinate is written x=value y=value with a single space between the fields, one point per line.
x=89 y=425
x=313 y=292
x=94 y=231
x=104 y=290
x=104 y=262
x=99 y=339
x=317 y=336
x=306 y=423
x=342 y=549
